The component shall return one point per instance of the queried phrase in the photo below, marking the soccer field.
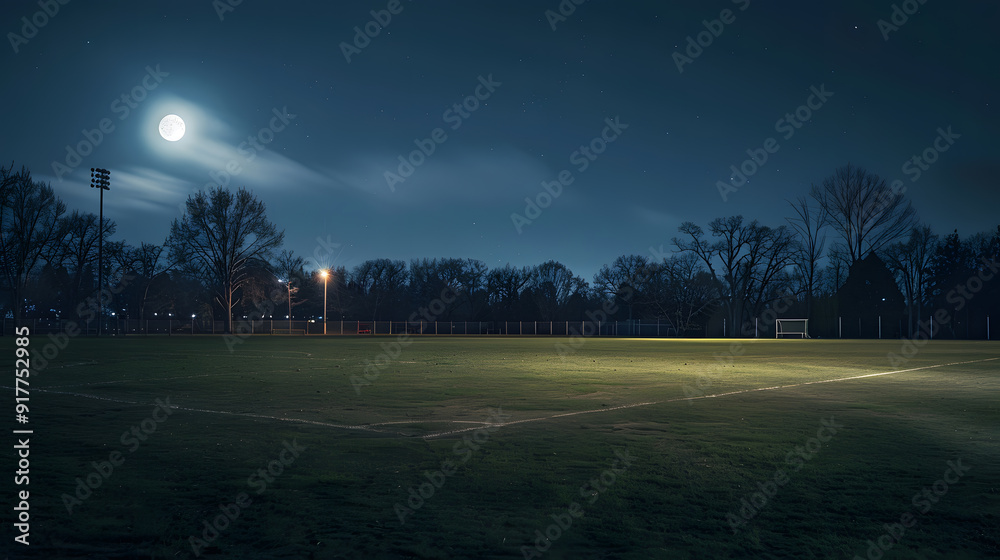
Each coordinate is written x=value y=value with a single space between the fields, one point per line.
x=344 y=447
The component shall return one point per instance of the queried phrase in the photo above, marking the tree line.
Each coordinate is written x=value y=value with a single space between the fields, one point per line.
x=851 y=247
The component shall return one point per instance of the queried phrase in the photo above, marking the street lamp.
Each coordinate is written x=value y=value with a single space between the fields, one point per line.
x=100 y=179
x=288 y=283
x=325 y=274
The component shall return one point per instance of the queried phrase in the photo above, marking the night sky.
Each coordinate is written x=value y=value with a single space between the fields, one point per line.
x=543 y=93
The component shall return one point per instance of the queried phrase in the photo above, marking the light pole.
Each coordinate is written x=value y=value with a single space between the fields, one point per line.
x=100 y=179
x=288 y=283
x=325 y=274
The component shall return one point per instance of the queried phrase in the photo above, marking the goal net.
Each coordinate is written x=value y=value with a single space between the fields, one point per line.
x=791 y=328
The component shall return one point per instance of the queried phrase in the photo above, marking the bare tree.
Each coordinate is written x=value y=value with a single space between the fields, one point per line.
x=864 y=210
x=749 y=262
x=291 y=270
x=809 y=224
x=553 y=286
x=911 y=261
x=77 y=250
x=682 y=291
x=835 y=273
x=504 y=286
x=624 y=281
x=380 y=282
x=29 y=217
x=220 y=238
x=465 y=277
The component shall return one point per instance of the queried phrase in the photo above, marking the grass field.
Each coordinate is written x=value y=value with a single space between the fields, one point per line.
x=617 y=449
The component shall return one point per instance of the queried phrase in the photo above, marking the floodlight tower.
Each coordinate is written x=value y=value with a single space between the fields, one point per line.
x=100 y=179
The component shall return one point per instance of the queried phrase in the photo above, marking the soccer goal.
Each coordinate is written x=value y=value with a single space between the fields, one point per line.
x=791 y=328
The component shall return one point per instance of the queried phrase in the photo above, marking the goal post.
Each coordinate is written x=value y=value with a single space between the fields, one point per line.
x=791 y=328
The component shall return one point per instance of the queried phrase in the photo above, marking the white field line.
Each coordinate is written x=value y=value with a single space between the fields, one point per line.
x=370 y=427
x=712 y=396
x=127 y=381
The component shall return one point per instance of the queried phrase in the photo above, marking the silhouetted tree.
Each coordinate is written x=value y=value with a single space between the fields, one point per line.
x=291 y=271
x=77 y=251
x=624 y=282
x=504 y=286
x=381 y=284
x=871 y=295
x=220 y=237
x=809 y=223
x=553 y=287
x=864 y=210
x=911 y=260
x=29 y=218
x=682 y=291
x=749 y=263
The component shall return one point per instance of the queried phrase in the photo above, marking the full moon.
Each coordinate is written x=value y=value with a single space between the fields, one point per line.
x=172 y=128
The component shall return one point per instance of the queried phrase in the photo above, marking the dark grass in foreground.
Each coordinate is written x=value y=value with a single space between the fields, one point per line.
x=692 y=462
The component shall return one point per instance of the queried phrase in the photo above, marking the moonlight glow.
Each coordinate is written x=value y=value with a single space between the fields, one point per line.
x=172 y=128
